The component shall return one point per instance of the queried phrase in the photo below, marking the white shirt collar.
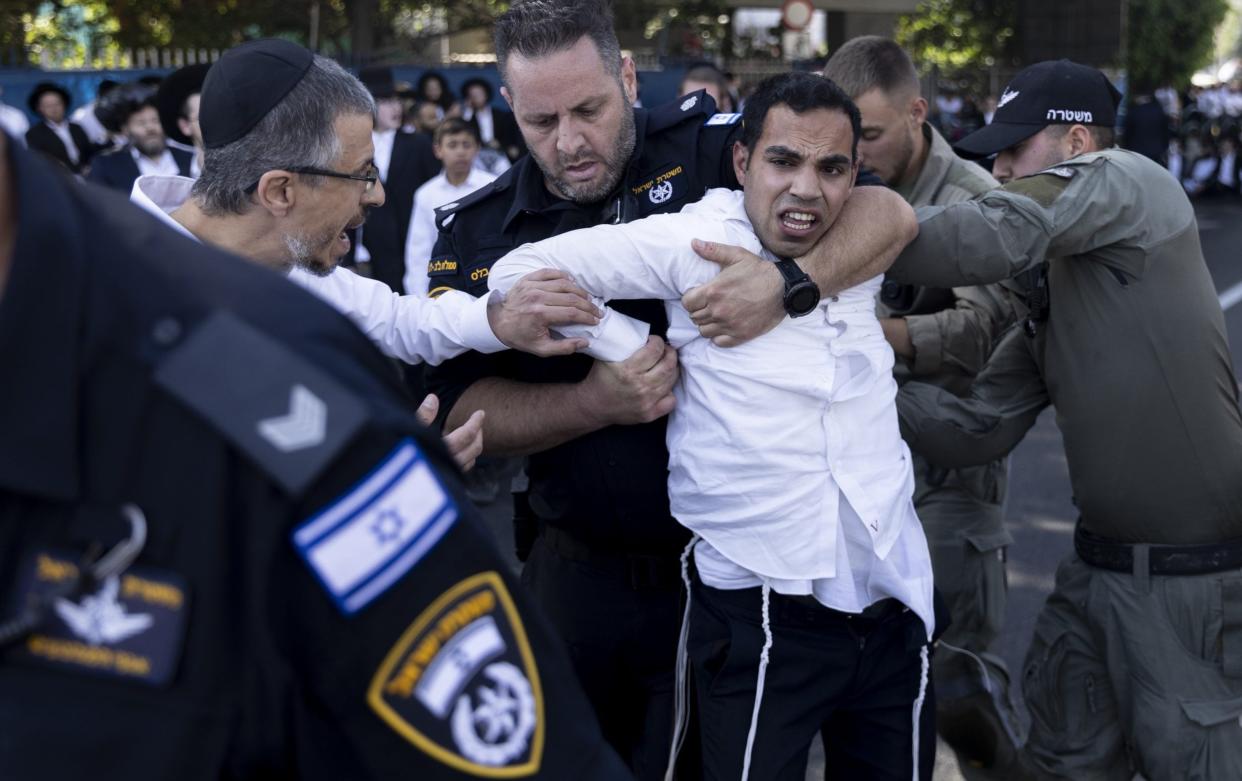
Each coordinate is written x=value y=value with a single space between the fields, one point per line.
x=161 y=196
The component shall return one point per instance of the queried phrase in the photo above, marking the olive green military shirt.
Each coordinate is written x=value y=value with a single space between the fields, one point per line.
x=951 y=339
x=1133 y=353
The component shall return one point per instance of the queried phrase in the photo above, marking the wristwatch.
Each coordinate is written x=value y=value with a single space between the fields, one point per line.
x=801 y=294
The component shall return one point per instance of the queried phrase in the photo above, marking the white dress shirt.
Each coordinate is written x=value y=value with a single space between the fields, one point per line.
x=408 y=328
x=383 y=141
x=164 y=165
x=62 y=132
x=784 y=452
x=14 y=122
x=487 y=128
x=421 y=238
x=84 y=117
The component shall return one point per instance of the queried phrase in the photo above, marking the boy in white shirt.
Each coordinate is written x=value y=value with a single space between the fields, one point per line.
x=456 y=145
x=811 y=609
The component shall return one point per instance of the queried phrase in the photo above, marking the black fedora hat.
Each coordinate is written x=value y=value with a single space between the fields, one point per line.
x=44 y=87
x=172 y=94
x=379 y=81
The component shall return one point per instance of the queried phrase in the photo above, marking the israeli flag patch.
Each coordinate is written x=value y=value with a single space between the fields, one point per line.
x=366 y=540
x=722 y=119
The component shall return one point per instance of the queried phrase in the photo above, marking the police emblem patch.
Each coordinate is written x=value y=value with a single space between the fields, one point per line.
x=689 y=102
x=664 y=184
x=661 y=192
x=461 y=683
x=130 y=626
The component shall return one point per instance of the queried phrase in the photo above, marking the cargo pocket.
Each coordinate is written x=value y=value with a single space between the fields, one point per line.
x=1041 y=682
x=993 y=586
x=1212 y=748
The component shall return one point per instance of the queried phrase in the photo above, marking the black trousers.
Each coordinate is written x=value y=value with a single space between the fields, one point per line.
x=620 y=623
x=853 y=679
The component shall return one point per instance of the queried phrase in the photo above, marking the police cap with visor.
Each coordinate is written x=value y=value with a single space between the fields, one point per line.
x=1054 y=92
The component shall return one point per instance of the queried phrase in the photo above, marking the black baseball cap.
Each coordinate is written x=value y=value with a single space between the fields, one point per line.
x=1054 y=92
x=245 y=84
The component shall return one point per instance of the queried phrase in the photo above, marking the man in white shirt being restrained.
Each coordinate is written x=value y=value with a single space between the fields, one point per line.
x=811 y=602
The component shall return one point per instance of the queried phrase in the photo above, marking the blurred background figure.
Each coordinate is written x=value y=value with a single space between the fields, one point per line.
x=404 y=161
x=496 y=128
x=84 y=117
x=177 y=102
x=130 y=110
x=1146 y=127
x=705 y=76
x=422 y=117
x=432 y=88
x=13 y=120
x=456 y=147
x=54 y=135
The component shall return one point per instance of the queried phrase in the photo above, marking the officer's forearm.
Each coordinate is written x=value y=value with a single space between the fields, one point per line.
x=873 y=227
x=524 y=418
x=973 y=243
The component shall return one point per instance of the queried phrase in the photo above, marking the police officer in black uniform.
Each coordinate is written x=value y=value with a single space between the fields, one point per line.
x=227 y=550
x=604 y=558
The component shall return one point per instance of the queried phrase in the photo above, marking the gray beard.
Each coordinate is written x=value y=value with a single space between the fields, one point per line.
x=614 y=166
x=302 y=255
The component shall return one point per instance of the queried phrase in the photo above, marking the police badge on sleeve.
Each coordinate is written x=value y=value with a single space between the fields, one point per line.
x=461 y=683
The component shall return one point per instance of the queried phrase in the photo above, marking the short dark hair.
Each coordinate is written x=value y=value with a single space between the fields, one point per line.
x=801 y=92
x=708 y=74
x=115 y=108
x=453 y=126
x=1104 y=137
x=537 y=28
x=870 y=62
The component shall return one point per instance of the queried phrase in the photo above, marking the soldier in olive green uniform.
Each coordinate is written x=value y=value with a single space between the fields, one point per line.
x=944 y=335
x=1136 y=662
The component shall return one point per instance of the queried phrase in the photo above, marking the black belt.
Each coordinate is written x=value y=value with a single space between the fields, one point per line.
x=643 y=571
x=1162 y=559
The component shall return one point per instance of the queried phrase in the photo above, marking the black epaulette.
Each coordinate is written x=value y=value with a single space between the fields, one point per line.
x=289 y=417
x=445 y=213
x=696 y=107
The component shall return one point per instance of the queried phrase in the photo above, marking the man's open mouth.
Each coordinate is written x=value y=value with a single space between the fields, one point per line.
x=799 y=221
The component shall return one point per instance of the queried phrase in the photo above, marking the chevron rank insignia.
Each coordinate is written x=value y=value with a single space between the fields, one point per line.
x=461 y=684
x=283 y=412
x=367 y=539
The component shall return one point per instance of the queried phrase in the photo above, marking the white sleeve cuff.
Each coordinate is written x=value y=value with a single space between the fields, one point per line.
x=616 y=336
x=476 y=331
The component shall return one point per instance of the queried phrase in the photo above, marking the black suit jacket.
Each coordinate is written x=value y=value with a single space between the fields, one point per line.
x=118 y=169
x=506 y=131
x=41 y=138
x=412 y=164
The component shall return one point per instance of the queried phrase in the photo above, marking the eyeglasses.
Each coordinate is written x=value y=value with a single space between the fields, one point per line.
x=370 y=178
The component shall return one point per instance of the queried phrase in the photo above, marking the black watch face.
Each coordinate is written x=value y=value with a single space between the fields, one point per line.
x=802 y=299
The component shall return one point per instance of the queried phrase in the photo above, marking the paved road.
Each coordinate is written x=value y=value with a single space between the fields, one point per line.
x=1040 y=513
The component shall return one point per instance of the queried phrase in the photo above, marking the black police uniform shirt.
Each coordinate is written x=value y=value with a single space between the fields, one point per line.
x=609 y=486
x=270 y=450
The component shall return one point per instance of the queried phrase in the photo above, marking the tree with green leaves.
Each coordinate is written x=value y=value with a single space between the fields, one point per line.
x=962 y=39
x=1169 y=40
